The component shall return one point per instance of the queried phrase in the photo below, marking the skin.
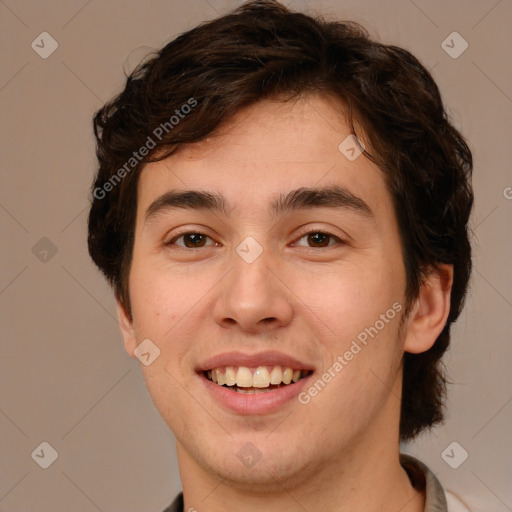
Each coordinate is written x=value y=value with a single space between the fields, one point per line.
x=306 y=298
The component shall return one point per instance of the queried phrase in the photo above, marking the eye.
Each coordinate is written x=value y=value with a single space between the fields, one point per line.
x=191 y=239
x=319 y=239
x=195 y=239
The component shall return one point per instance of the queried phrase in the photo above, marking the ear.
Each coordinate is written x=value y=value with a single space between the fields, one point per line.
x=127 y=331
x=430 y=311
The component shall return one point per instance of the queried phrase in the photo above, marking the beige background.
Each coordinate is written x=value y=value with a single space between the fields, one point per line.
x=64 y=376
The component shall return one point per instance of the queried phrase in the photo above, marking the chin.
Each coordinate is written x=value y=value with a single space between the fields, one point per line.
x=244 y=466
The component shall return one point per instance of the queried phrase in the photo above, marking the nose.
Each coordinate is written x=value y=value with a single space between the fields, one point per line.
x=254 y=297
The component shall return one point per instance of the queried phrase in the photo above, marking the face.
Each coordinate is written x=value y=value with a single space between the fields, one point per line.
x=277 y=285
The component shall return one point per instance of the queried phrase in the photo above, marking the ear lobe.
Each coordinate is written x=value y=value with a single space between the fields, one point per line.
x=127 y=331
x=430 y=312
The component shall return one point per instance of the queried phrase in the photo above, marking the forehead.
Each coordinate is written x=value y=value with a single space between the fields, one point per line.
x=305 y=130
x=270 y=147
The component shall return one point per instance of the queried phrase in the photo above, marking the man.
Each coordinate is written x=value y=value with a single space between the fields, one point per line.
x=281 y=207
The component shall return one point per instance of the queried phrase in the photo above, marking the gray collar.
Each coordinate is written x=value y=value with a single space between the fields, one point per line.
x=423 y=479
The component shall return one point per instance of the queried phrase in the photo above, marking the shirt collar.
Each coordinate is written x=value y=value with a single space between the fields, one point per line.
x=424 y=480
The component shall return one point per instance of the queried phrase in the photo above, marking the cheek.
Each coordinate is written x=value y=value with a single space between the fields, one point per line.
x=363 y=361
x=170 y=306
x=357 y=310
x=162 y=295
x=352 y=296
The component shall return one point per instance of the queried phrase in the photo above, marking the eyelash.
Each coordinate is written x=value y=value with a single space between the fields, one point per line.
x=301 y=235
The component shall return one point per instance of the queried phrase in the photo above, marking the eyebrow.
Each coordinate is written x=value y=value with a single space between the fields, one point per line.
x=299 y=199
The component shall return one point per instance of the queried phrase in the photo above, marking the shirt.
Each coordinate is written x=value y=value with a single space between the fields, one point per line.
x=421 y=478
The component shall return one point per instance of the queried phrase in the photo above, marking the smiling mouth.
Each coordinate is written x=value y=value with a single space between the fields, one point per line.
x=262 y=379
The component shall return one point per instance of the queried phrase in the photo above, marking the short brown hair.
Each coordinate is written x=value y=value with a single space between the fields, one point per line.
x=263 y=50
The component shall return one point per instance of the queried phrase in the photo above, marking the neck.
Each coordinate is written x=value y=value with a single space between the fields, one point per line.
x=378 y=487
x=364 y=474
x=373 y=483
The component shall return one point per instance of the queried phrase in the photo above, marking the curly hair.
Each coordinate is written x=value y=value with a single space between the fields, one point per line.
x=263 y=50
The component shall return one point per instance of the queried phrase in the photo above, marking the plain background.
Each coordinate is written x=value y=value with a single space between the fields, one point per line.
x=64 y=376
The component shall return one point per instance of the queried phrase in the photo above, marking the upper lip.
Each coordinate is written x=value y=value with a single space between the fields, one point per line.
x=268 y=358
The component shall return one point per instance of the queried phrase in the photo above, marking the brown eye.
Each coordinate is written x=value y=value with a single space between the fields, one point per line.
x=191 y=240
x=319 y=239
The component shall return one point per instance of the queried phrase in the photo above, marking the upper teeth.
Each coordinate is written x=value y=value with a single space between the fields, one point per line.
x=261 y=378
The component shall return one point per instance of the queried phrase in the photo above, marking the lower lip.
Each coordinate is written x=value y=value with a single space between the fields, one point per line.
x=257 y=403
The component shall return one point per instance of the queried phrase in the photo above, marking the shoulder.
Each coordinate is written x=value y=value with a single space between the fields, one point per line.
x=437 y=499
x=454 y=503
